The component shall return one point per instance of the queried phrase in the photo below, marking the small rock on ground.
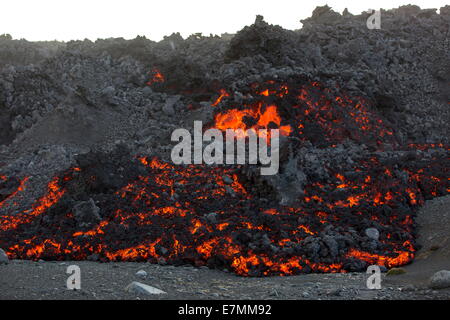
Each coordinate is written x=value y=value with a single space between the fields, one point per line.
x=395 y=271
x=141 y=274
x=3 y=257
x=440 y=280
x=140 y=288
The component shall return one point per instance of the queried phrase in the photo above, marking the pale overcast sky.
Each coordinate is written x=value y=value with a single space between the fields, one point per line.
x=92 y=19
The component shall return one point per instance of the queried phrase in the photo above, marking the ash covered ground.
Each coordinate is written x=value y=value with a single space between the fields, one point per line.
x=85 y=145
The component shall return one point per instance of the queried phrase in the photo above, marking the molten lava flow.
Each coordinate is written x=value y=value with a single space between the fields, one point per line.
x=223 y=94
x=401 y=257
x=152 y=210
x=20 y=188
x=310 y=107
x=157 y=77
x=264 y=116
x=192 y=214
x=48 y=200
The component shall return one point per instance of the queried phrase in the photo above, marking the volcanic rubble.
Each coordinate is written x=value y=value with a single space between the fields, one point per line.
x=85 y=169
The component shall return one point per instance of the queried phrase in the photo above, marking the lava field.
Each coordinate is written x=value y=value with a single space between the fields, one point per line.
x=357 y=158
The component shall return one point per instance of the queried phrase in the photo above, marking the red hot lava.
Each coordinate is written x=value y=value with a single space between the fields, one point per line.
x=215 y=216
